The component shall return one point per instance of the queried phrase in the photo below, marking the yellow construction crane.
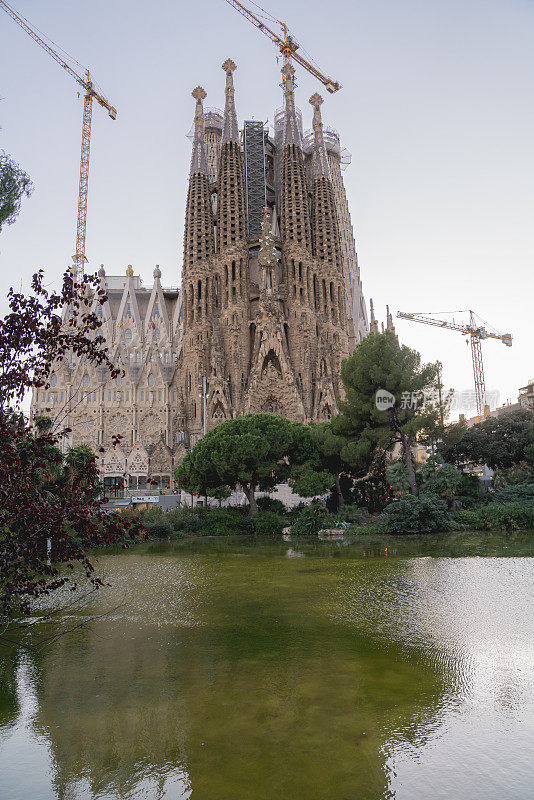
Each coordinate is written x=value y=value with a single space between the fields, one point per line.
x=286 y=44
x=90 y=94
x=477 y=333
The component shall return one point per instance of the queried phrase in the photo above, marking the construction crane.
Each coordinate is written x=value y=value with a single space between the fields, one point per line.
x=477 y=334
x=287 y=45
x=90 y=94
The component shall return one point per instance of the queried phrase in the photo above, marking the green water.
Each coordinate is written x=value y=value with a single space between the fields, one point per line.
x=241 y=670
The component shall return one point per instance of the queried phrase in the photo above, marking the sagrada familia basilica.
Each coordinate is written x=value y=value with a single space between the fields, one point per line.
x=271 y=299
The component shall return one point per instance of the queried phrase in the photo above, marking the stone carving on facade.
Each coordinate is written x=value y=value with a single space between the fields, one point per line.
x=151 y=429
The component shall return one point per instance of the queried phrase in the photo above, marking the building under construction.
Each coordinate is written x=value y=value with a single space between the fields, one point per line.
x=270 y=303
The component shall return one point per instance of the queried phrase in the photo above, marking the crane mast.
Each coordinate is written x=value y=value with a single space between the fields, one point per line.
x=476 y=335
x=287 y=45
x=90 y=94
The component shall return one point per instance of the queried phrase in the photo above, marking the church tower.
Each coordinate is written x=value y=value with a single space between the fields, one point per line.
x=297 y=258
x=329 y=285
x=197 y=276
x=232 y=285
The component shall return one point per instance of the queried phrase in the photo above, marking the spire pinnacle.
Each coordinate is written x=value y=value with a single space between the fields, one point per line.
x=320 y=166
x=389 y=320
x=230 y=132
x=198 y=157
x=373 y=324
x=292 y=129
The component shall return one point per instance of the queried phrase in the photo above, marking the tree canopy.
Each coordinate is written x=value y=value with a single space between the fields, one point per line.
x=14 y=185
x=256 y=451
x=50 y=502
x=249 y=451
x=500 y=442
x=381 y=369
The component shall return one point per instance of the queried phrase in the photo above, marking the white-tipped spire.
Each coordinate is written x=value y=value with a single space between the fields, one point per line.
x=199 y=162
x=292 y=129
x=230 y=131
x=320 y=166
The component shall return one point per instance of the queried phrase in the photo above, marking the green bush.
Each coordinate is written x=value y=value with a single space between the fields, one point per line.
x=162 y=529
x=353 y=514
x=416 y=515
x=468 y=518
x=520 y=491
x=186 y=520
x=268 y=523
x=518 y=515
x=310 y=520
x=272 y=504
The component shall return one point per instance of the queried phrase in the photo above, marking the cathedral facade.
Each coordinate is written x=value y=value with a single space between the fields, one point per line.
x=270 y=302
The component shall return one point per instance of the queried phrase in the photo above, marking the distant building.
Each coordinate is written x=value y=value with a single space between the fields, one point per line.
x=526 y=396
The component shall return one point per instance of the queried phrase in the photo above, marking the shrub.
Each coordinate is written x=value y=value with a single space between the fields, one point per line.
x=354 y=514
x=468 y=518
x=271 y=504
x=162 y=529
x=498 y=516
x=268 y=523
x=224 y=522
x=311 y=519
x=520 y=491
x=186 y=520
x=416 y=515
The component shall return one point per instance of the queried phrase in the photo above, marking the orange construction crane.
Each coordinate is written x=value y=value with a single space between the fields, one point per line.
x=477 y=333
x=287 y=45
x=90 y=93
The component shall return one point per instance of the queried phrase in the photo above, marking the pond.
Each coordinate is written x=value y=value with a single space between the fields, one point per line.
x=268 y=670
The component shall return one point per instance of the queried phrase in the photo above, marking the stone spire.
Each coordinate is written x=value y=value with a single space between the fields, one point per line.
x=389 y=321
x=294 y=212
x=230 y=132
x=231 y=213
x=373 y=324
x=198 y=237
x=199 y=162
x=320 y=164
x=325 y=226
x=292 y=129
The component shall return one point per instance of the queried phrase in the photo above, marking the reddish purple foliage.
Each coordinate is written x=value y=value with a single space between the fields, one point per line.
x=44 y=494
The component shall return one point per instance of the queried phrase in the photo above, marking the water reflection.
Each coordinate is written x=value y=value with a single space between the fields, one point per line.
x=238 y=673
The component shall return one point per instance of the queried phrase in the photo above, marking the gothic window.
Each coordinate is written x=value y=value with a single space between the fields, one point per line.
x=155 y=313
x=118 y=380
x=53 y=380
x=86 y=380
x=128 y=310
x=128 y=335
x=150 y=380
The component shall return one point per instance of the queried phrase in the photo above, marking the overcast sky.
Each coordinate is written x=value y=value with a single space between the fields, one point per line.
x=436 y=109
